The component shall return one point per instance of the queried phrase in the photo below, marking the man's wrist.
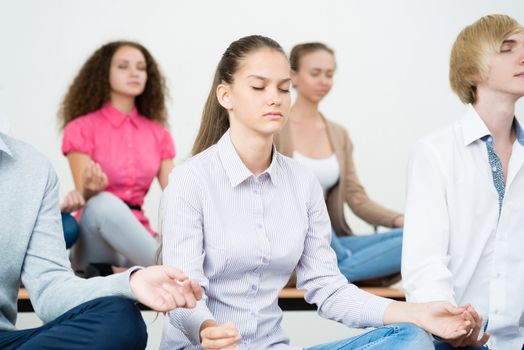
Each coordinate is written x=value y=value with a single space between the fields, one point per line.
x=131 y=271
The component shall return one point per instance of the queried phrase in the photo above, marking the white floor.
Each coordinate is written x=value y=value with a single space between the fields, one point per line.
x=305 y=328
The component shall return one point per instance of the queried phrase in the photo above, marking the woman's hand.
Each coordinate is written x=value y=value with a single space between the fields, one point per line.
x=72 y=202
x=164 y=288
x=94 y=179
x=398 y=221
x=214 y=336
x=443 y=319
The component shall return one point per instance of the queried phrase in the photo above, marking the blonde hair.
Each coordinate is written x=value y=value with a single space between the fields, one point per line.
x=475 y=44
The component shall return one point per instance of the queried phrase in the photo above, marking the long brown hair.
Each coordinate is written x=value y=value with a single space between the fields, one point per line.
x=300 y=50
x=90 y=89
x=215 y=119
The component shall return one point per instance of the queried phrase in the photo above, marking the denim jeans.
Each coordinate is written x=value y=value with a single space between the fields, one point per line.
x=368 y=256
x=445 y=346
x=401 y=336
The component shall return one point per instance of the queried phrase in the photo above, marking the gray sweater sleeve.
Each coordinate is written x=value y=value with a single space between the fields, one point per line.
x=46 y=272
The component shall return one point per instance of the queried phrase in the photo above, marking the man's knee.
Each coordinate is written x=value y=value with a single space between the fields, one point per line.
x=124 y=318
x=103 y=323
x=130 y=321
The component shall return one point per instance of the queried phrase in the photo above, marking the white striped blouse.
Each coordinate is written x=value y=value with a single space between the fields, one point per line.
x=241 y=236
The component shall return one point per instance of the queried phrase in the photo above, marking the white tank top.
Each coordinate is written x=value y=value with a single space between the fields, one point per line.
x=326 y=170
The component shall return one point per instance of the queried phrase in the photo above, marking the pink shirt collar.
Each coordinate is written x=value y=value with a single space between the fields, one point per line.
x=116 y=118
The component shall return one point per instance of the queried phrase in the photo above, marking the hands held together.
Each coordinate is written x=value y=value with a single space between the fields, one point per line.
x=458 y=326
x=164 y=288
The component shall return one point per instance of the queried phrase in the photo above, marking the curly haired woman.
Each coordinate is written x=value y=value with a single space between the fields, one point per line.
x=116 y=142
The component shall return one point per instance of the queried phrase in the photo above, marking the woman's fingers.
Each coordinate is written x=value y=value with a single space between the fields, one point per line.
x=221 y=337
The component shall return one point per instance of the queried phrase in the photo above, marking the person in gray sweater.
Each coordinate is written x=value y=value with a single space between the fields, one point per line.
x=96 y=313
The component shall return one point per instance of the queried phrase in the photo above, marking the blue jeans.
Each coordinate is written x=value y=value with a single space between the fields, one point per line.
x=445 y=346
x=103 y=323
x=70 y=227
x=401 y=336
x=368 y=256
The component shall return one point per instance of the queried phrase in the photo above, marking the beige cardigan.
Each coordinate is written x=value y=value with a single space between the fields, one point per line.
x=348 y=189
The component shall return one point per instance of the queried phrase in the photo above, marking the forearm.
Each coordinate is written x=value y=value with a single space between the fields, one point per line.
x=86 y=193
x=50 y=301
x=400 y=312
x=192 y=321
x=88 y=176
x=335 y=297
x=163 y=173
x=372 y=212
x=46 y=272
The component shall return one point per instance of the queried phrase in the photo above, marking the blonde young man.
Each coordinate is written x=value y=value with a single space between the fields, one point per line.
x=464 y=228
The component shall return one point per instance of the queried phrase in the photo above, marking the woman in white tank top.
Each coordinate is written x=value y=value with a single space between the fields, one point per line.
x=325 y=148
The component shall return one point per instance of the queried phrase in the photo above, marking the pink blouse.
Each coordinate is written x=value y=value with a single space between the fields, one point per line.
x=129 y=148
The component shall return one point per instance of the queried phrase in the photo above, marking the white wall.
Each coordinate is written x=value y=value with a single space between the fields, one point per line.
x=391 y=85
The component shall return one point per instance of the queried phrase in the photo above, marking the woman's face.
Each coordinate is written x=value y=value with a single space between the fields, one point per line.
x=127 y=73
x=259 y=97
x=314 y=78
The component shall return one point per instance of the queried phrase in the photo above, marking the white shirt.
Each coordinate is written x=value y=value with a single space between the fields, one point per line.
x=326 y=170
x=241 y=236
x=456 y=247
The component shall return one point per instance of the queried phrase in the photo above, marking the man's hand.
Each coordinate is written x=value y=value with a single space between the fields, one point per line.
x=471 y=338
x=164 y=288
x=218 y=337
x=72 y=202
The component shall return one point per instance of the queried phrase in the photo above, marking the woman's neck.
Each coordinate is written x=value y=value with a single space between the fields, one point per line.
x=304 y=111
x=498 y=115
x=254 y=149
x=124 y=104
